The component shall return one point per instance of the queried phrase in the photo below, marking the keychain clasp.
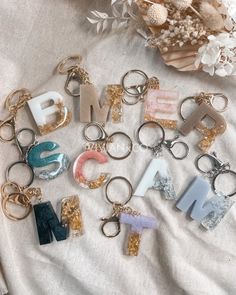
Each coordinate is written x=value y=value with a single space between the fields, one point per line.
x=114 y=219
x=25 y=148
x=106 y=139
x=170 y=143
x=218 y=166
x=167 y=143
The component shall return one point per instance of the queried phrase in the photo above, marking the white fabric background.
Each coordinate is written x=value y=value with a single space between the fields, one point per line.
x=179 y=258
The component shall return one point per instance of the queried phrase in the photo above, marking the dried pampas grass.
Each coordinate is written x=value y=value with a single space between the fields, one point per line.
x=212 y=18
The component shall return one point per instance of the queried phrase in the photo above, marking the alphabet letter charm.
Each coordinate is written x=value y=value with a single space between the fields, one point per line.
x=138 y=224
x=47 y=223
x=35 y=160
x=208 y=212
x=58 y=109
x=157 y=177
x=79 y=174
x=71 y=215
x=159 y=104
x=209 y=134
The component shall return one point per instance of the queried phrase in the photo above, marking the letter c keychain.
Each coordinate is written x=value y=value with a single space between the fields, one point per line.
x=94 y=151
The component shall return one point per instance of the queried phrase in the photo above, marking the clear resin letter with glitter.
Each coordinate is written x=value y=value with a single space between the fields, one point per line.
x=71 y=216
x=138 y=223
x=208 y=212
x=157 y=177
x=46 y=105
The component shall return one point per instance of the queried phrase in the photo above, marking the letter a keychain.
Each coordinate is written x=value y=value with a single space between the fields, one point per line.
x=157 y=175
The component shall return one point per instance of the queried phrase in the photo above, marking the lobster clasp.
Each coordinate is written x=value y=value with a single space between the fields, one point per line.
x=114 y=219
x=217 y=165
x=171 y=143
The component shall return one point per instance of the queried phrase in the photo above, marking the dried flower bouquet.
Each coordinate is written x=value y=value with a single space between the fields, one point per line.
x=190 y=34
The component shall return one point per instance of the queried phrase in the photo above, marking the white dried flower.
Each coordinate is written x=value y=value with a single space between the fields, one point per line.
x=219 y=55
x=212 y=18
x=231 y=8
x=181 y=4
x=157 y=14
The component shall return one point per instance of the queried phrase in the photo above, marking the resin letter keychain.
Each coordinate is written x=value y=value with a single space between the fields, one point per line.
x=157 y=175
x=71 y=216
x=32 y=159
x=89 y=100
x=208 y=211
x=126 y=215
x=205 y=109
x=95 y=150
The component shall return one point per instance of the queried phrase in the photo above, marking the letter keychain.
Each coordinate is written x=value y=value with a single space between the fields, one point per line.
x=206 y=108
x=89 y=100
x=94 y=151
x=31 y=157
x=157 y=103
x=47 y=221
x=209 y=212
x=126 y=215
x=157 y=175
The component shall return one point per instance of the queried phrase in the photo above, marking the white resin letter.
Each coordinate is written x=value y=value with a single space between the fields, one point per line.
x=41 y=114
x=156 y=177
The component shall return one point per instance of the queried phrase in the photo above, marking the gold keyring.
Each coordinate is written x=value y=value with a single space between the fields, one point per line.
x=11 y=216
x=9 y=184
x=219 y=95
x=130 y=145
x=62 y=67
x=130 y=190
x=24 y=95
x=10 y=123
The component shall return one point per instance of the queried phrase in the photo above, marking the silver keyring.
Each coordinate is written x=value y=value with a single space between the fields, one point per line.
x=130 y=146
x=140 y=89
x=161 y=140
x=102 y=135
x=217 y=176
x=181 y=106
x=20 y=163
x=25 y=148
x=225 y=98
x=130 y=190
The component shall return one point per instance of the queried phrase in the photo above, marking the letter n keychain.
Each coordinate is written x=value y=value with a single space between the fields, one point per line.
x=126 y=215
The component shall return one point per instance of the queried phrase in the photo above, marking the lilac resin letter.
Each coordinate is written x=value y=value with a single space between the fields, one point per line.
x=138 y=223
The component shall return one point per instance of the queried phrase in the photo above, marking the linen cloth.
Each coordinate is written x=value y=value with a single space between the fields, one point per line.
x=179 y=258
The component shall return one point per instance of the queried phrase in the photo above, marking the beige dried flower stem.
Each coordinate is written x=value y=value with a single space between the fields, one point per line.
x=191 y=7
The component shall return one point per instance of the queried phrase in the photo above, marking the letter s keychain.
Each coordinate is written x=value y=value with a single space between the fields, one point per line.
x=31 y=157
x=157 y=174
